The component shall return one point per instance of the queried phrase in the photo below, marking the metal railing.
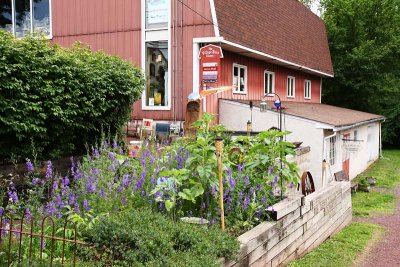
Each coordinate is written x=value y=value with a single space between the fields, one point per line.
x=11 y=240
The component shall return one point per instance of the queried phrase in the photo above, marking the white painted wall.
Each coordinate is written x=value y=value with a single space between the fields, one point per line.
x=368 y=152
x=235 y=116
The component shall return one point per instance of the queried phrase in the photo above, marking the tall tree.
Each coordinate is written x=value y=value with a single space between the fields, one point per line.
x=364 y=40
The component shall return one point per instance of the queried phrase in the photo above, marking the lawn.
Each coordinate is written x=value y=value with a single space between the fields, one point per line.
x=343 y=248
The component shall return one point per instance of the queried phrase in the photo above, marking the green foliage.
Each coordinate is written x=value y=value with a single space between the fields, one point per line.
x=59 y=99
x=143 y=238
x=343 y=248
x=364 y=40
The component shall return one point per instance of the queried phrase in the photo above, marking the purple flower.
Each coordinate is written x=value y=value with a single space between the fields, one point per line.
x=65 y=181
x=241 y=168
x=111 y=156
x=1 y=211
x=114 y=145
x=35 y=181
x=276 y=179
x=76 y=208
x=123 y=199
x=201 y=220
x=105 y=145
x=71 y=198
x=58 y=200
x=240 y=195
x=29 y=165
x=251 y=190
x=232 y=183
x=291 y=185
x=259 y=186
x=42 y=243
x=271 y=171
x=246 y=201
x=51 y=208
x=214 y=190
x=49 y=170
x=246 y=181
x=203 y=205
x=263 y=200
x=96 y=153
x=229 y=172
x=103 y=193
x=28 y=214
x=86 y=205
x=13 y=196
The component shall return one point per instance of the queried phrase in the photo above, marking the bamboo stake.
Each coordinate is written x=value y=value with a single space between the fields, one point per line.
x=219 y=147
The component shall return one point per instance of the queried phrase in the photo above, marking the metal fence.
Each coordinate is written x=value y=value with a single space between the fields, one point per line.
x=13 y=251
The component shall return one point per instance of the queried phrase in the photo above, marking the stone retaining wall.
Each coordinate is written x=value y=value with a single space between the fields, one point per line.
x=302 y=223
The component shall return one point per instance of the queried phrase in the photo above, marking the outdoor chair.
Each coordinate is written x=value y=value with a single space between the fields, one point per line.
x=147 y=128
x=162 y=131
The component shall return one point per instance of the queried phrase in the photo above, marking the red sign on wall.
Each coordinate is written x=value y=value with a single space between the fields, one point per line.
x=210 y=64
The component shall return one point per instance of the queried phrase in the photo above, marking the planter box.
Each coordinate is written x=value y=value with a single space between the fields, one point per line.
x=301 y=224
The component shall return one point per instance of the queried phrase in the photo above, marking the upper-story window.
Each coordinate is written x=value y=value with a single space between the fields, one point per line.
x=269 y=82
x=290 y=88
x=23 y=17
x=156 y=14
x=307 y=89
x=239 y=79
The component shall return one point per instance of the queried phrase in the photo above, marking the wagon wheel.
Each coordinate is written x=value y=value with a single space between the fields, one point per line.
x=307 y=184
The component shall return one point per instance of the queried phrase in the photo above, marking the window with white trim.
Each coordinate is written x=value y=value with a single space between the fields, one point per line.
x=332 y=150
x=269 y=82
x=290 y=87
x=156 y=45
x=239 y=79
x=23 y=17
x=307 y=89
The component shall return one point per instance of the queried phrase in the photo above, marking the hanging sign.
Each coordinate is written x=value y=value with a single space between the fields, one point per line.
x=210 y=64
x=351 y=146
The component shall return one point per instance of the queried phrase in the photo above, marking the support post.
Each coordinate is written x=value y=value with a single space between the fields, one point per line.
x=219 y=147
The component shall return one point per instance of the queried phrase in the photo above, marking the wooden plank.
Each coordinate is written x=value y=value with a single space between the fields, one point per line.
x=284 y=207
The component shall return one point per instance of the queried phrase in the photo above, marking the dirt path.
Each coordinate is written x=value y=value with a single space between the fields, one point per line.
x=386 y=252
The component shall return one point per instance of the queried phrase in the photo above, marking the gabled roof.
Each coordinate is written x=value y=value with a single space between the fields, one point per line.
x=336 y=117
x=285 y=29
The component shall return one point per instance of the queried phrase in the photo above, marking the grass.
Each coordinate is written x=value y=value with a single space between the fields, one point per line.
x=387 y=174
x=342 y=248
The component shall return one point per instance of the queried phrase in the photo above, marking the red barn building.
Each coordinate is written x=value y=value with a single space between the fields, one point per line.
x=268 y=47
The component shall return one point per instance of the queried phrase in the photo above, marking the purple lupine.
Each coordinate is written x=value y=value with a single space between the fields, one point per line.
x=13 y=196
x=252 y=190
x=103 y=193
x=126 y=180
x=51 y=208
x=65 y=181
x=271 y=171
x=291 y=185
x=114 y=145
x=86 y=205
x=42 y=243
x=241 y=168
x=229 y=172
x=123 y=199
x=246 y=181
x=214 y=190
x=105 y=144
x=28 y=214
x=49 y=170
x=29 y=165
x=203 y=205
x=76 y=208
x=71 y=198
x=232 y=183
x=111 y=156
x=35 y=181
x=259 y=186
x=201 y=220
x=240 y=195
x=96 y=153
x=276 y=179
x=263 y=200
x=1 y=211
x=246 y=201
x=58 y=200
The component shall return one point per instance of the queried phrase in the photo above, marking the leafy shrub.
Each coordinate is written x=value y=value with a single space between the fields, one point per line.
x=60 y=99
x=143 y=238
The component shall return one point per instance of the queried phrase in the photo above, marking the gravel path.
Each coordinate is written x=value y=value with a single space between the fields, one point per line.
x=386 y=252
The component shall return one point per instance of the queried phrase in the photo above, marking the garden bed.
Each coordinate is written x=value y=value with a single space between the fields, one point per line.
x=302 y=223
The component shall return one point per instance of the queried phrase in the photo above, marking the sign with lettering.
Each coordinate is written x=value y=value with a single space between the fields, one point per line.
x=210 y=64
x=351 y=146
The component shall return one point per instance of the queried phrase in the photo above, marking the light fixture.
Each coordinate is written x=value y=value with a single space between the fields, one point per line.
x=263 y=105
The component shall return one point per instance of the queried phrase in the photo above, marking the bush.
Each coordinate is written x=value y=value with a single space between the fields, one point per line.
x=59 y=99
x=142 y=238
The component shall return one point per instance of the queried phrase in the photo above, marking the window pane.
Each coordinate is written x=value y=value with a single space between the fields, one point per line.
x=5 y=15
x=22 y=18
x=271 y=82
x=157 y=73
x=266 y=83
x=41 y=17
x=156 y=14
x=242 y=79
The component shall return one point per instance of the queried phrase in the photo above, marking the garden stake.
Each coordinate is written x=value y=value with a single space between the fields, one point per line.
x=219 y=147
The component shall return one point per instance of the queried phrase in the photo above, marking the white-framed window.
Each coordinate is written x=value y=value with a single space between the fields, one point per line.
x=332 y=150
x=307 y=89
x=269 y=82
x=156 y=53
x=239 y=79
x=291 y=86
x=24 y=17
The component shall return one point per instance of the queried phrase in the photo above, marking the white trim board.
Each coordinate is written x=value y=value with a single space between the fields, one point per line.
x=279 y=61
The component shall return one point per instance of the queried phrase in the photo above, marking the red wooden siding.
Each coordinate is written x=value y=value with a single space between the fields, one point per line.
x=114 y=26
x=255 y=81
